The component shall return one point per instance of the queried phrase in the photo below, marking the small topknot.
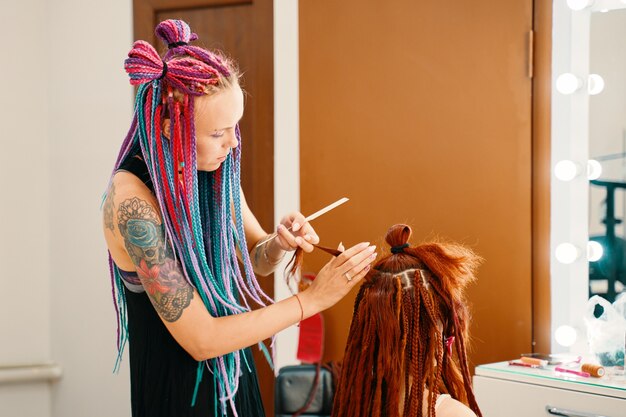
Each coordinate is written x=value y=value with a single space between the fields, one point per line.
x=175 y=33
x=398 y=235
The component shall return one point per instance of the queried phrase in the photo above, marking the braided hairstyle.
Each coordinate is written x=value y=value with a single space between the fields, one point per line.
x=195 y=204
x=400 y=342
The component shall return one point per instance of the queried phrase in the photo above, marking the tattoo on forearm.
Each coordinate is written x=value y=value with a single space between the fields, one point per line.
x=108 y=209
x=160 y=274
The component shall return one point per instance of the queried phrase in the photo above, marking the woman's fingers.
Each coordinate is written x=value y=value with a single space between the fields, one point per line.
x=366 y=262
x=358 y=263
x=301 y=227
x=342 y=273
x=291 y=242
x=286 y=237
x=297 y=221
x=353 y=256
x=306 y=246
x=348 y=253
x=309 y=234
x=282 y=242
x=359 y=276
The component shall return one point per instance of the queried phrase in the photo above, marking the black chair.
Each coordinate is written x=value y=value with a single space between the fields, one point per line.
x=301 y=385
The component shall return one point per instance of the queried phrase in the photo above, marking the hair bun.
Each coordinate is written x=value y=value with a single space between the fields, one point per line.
x=175 y=32
x=398 y=235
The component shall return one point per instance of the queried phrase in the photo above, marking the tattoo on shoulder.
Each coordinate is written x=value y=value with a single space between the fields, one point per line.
x=160 y=274
x=108 y=209
x=143 y=235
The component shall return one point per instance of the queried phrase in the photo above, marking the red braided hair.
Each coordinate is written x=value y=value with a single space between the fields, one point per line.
x=409 y=302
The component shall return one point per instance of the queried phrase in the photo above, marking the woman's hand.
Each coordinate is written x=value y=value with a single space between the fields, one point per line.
x=337 y=278
x=302 y=233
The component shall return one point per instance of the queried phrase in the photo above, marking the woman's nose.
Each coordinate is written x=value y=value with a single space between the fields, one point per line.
x=232 y=141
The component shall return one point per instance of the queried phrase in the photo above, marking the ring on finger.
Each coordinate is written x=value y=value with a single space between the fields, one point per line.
x=348 y=277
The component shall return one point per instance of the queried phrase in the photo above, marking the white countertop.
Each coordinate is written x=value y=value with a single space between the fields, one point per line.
x=611 y=386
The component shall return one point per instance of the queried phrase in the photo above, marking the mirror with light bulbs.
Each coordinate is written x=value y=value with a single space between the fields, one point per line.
x=588 y=188
x=607 y=148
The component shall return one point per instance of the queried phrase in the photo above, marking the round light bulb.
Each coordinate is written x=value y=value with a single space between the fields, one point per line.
x=568 y=83
x=565 y=335
x=594 y=251
x=579 y=4
x=594 y=169
x=566 y=170
x=566 y=253
x=595 y=84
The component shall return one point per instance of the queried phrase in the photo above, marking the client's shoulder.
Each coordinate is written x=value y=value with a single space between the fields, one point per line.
x=450 y=407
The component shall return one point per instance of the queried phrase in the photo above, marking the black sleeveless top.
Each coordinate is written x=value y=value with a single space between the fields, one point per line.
x=162 y=373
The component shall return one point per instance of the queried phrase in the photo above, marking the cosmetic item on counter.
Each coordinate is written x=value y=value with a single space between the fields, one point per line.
x=554 y=358
x=534 y=361
x=525 y=365
x=572 y=372
x=593 y=369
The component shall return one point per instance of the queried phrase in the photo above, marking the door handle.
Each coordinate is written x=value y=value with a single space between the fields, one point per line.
x=555 y=411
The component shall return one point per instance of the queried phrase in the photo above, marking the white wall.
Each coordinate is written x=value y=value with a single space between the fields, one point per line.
x=286 y=150
x=24 y=234
x=90 y=109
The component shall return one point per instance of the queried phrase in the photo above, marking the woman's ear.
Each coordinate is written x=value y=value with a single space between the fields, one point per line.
x=165 y=128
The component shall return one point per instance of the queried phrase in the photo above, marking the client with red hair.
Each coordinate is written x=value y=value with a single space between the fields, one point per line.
x=406 y=352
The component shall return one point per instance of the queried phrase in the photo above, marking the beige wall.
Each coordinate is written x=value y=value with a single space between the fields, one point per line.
x=65 y=109
x=90 y=111
x=24 y=231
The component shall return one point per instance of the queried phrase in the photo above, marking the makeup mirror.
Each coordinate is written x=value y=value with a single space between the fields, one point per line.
x=588 y=187
x=607 y=146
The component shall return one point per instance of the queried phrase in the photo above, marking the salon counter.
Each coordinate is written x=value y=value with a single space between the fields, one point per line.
x=503 y=390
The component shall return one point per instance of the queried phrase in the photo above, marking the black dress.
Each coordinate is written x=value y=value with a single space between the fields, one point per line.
x=162 y=373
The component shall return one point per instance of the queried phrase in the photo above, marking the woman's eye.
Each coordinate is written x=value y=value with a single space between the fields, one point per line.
x=217 y=134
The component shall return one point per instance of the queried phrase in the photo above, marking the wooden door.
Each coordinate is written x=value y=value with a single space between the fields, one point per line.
x=420 y=112
x=243 y=29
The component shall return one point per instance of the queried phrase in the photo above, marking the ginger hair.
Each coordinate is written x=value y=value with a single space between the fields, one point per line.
x=408 y=303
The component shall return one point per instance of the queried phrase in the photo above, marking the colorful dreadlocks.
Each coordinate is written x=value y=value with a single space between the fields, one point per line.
x=195 y=205
x=409 y=314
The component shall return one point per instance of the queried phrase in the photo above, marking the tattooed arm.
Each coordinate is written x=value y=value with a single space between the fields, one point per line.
x=140 y=233
x=161 y=276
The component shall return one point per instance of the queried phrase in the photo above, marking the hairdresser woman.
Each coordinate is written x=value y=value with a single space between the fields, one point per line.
x=183 y=242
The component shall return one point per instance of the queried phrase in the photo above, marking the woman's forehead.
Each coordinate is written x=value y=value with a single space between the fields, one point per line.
x=220 y=110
